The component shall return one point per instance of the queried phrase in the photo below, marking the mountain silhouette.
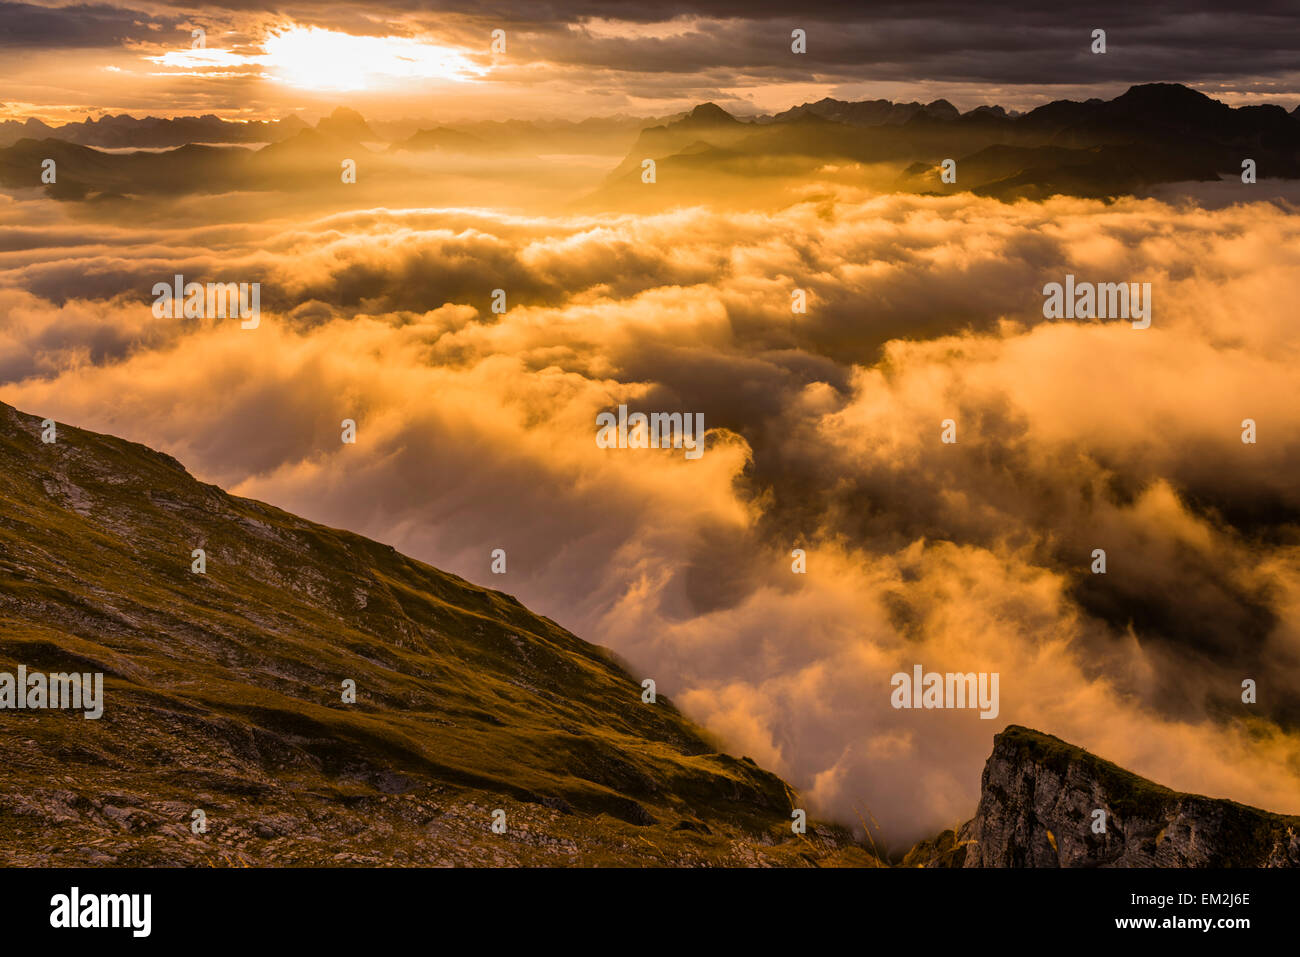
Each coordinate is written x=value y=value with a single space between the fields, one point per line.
x=1151 y=134
x=347 y=125
x=442 y=138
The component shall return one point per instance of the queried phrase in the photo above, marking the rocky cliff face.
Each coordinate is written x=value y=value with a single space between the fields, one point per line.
x=1043 y=803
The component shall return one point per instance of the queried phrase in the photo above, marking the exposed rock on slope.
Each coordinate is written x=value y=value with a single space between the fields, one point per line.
x=1037 y=805
x=223 y=694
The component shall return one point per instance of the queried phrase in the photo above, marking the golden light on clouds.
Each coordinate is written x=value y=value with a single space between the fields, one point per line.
x=481 y=426
x=312 y=58
x=608 y=28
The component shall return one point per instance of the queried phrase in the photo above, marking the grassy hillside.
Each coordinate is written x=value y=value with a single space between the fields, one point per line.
x=224 y=694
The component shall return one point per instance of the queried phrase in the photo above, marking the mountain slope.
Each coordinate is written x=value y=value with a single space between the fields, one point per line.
x=707 y=123
x=1038 y=806
x=223 y=694
x=442 y=138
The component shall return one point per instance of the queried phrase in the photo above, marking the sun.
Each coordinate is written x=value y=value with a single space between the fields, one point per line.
x=312 y=58
x=317 y=59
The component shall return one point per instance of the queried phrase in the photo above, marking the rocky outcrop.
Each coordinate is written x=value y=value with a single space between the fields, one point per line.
x=1046 y=803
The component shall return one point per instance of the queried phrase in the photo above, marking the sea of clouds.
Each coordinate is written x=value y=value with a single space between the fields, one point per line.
x=476 y=431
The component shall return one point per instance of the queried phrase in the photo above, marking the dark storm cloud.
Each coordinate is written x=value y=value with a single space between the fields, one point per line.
x=962 y=44
x=1012 y=43
x=30 y=27
x=1018 y=43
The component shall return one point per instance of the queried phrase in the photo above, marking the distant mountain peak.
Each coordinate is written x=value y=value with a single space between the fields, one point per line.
x=942 y=109
x=1164 y=91
x=709 y=113
x=346 y=123
x=346 y=113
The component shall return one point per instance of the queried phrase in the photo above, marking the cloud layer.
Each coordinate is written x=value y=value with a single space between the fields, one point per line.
x=476 y=431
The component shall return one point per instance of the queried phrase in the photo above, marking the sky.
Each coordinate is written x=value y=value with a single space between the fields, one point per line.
x=62 y=62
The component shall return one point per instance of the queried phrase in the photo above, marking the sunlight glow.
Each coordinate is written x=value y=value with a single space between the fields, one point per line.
x=315 y=59
x=202 y=59
x=312 y=58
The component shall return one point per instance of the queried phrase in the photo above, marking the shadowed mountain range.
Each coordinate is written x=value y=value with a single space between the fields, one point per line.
x=152 y=132
x=1150 y=135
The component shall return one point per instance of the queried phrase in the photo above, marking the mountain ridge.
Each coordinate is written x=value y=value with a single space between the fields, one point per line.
x=1151 y=134
x=126 y=130
x=223 y=696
